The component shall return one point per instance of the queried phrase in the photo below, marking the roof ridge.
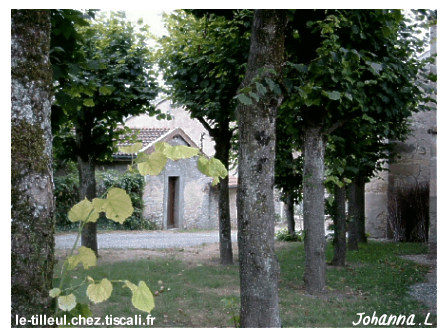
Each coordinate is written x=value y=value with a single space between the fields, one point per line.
x=155 y=128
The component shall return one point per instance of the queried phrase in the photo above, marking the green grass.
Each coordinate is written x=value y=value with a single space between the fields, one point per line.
x=376 y=279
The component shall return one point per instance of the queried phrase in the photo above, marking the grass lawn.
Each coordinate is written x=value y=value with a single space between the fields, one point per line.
x=206 y=295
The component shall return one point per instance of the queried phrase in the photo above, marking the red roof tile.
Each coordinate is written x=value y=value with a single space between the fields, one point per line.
x=145 y=135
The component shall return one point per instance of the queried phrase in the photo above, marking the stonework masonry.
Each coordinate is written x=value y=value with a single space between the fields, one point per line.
x=416 y=163
x=196 y=204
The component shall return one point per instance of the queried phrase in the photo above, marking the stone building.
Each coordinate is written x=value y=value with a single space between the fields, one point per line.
x=180 y=196
x=416 y=163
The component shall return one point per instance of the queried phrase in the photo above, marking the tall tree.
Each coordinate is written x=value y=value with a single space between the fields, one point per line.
x=116 y=80
x=288 y=162
x=259 y=268
x=359 y=63
x=203 y=61
x=32 y=205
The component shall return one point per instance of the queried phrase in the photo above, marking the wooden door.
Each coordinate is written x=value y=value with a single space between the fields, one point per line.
x=172 y=202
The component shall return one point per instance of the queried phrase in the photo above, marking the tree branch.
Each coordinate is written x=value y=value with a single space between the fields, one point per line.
x=210 y=130
x=338 y=124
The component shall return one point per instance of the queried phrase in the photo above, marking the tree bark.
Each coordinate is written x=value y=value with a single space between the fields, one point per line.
x=360 y=204
x=314 y=209
x=32 y=203
x=259 y=268
x=353 y=218
x=340 y=243
x=290 y=213
x=87 y=189
x=222 y=148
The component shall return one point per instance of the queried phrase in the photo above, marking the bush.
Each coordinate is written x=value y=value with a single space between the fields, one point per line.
x=67 y=195
x=66 y=192
x=283 y=235
x=134 y=185
x=409 y=212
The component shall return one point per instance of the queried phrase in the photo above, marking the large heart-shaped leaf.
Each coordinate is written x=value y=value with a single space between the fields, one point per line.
x=99 y=292
x=142 y=297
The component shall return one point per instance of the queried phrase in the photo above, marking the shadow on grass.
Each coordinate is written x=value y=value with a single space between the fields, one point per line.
x=375 y=281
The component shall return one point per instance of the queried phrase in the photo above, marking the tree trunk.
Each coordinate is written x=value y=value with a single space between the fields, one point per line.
x=32 y=203
x=225 y=229
x=360 y=204
x=314 y=209
x=290 y=213
x=353 y=218
x=259 y=268
x=340 y=244
x=87 y=189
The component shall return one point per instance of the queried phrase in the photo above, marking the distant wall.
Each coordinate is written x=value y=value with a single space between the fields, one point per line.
x=416 y=162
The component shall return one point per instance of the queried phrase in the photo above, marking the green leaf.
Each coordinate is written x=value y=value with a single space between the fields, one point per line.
x=274 y=87
x=88 y=102
x=95 y=65
x=246 y=90
x=55 y=292
x=85 y=256
x=376 y=67
x=118 y=205
x=99 y=292
x=333 y=95
x=67 y=303
x=106 y=90
x=244 y=99
x=260 y=88
x=83 y=211
x=299 y=67
x=142 y=297
x=213 y=168
x=131 y=149
x=153 y=165
x=176 y=152
x=81 y=309
x=254 y=96
x=369 y=119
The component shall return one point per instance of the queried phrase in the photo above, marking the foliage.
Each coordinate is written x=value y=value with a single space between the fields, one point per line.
x=110 y=76
x=117 y=206
x=408 y=215
x=66 y=195
x=232 y=305
x=284 y=235
x=134 y=185
x=204 y=60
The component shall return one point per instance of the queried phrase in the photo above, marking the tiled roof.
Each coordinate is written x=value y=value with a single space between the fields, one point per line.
x=144 y=135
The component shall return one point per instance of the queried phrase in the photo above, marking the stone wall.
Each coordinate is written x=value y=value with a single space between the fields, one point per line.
x=197 y=202
x=376 y=204
x=416 y=163
x=433 y=167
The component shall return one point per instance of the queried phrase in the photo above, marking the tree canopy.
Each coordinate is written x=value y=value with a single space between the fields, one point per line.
x=110 y=77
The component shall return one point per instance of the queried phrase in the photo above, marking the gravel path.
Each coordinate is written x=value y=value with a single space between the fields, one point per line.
x=426 y=292
x=143 y=240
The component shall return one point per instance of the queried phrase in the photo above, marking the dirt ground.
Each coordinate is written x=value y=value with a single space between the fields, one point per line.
x=205 y=254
